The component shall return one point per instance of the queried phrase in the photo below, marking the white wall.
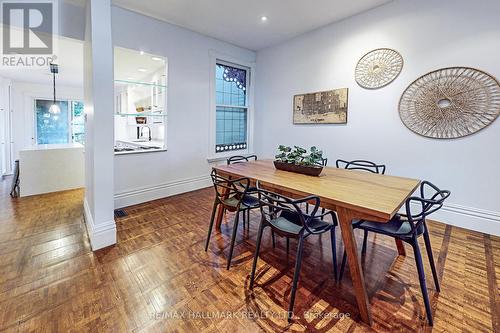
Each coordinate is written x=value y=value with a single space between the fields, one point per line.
x=23 y=95
x=430 y=35
x=184 y=166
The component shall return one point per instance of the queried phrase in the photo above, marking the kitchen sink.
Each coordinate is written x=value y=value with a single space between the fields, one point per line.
x=120 y=149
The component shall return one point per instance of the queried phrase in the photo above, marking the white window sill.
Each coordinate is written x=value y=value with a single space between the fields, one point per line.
x=224 y=156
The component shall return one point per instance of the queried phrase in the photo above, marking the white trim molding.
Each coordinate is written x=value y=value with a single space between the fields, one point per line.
x=101 y=235
x=461 y=216
x=470 y=218
x=140 y=195
x=224 y=158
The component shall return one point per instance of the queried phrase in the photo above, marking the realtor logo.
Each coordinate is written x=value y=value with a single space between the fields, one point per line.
x=28 y=33
x=28 y=27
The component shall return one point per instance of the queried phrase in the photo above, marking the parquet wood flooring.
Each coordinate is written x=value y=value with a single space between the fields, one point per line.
x=159 y=279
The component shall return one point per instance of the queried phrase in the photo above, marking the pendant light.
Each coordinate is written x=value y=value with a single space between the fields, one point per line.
x=54 y=108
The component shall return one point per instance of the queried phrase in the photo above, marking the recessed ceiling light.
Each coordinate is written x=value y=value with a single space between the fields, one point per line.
x=263 y=18
x=157 y=59
x=131 y=78
x=141 y=70
x=141 y=52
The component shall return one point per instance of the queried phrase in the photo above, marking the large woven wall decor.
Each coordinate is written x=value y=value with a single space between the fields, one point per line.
x=450 y=103
x=378 y=68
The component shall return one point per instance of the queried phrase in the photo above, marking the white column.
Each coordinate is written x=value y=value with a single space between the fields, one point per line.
x=99 y=137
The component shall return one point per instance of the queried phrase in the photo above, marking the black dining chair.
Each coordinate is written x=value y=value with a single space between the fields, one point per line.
x=232 y=195
x=409 y=227
x=242 y=159
x=285 y=217
x=361 y=165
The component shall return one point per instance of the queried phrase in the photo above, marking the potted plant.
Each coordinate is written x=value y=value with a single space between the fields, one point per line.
x=296 y=160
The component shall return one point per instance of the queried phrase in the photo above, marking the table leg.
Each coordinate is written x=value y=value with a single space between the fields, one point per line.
x=358 y=280
x=220 y=210
x=401 y=247
x=219 y=217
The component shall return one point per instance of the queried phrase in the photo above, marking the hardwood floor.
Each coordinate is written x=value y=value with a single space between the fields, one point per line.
x=159 y=279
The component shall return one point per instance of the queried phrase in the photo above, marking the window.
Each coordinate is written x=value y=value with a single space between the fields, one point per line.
x=231 y=105
x=78 y=122
x=66 y=126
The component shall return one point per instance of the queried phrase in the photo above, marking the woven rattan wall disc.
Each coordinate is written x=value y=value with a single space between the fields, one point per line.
x=378 y=68
x=450 y=103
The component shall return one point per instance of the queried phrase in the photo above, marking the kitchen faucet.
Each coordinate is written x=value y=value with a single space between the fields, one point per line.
x=142 y=132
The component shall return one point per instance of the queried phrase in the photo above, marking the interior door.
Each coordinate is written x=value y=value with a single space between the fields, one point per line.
x=4 y=127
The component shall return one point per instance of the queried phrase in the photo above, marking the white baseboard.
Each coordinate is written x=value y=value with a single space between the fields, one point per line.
x=141 y=195
x=461 y=216
x=101 y=235
x=470 y=218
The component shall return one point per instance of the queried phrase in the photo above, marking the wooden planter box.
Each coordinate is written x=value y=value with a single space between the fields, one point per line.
x=305 y=170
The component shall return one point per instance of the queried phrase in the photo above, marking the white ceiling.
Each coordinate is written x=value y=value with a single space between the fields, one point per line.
x=131 y=65
x=238 y=21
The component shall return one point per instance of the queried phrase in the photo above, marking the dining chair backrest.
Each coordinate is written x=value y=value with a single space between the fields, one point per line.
x=273 y=205
x=241 y=159
x=324 y=161
x=431 y=200
x=361 y=165
x=230 y=192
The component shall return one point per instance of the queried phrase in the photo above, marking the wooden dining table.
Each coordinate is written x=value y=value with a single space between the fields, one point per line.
x=352 y=194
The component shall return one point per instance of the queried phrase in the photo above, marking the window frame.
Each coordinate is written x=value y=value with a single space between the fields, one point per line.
x=34 y=137
x=217 y=58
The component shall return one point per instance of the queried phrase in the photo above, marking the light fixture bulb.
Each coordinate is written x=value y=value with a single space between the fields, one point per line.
x=263 y=18
x=141 y=70
x=54 y=109
x=141 y=52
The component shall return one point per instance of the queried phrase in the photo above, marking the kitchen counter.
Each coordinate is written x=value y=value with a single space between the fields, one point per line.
x=123 y=147
x=53 y=146
x=51 y=168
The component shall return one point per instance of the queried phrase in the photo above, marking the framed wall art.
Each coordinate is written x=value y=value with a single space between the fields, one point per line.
x=324 y=107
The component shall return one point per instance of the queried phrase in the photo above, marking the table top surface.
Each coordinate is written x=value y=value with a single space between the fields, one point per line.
x=371 y=194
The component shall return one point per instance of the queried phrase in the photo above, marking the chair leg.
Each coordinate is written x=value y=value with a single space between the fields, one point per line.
x=274 y=240
x=431 y=258
x=323 y=210
x=233 y=238
x=334 y=252
x=342 y=265
x=248 y=218
x=256 y=256
x=212 y=219
x=421 y=278
x=307 y=208
x=296 y=273
x=365 y=240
